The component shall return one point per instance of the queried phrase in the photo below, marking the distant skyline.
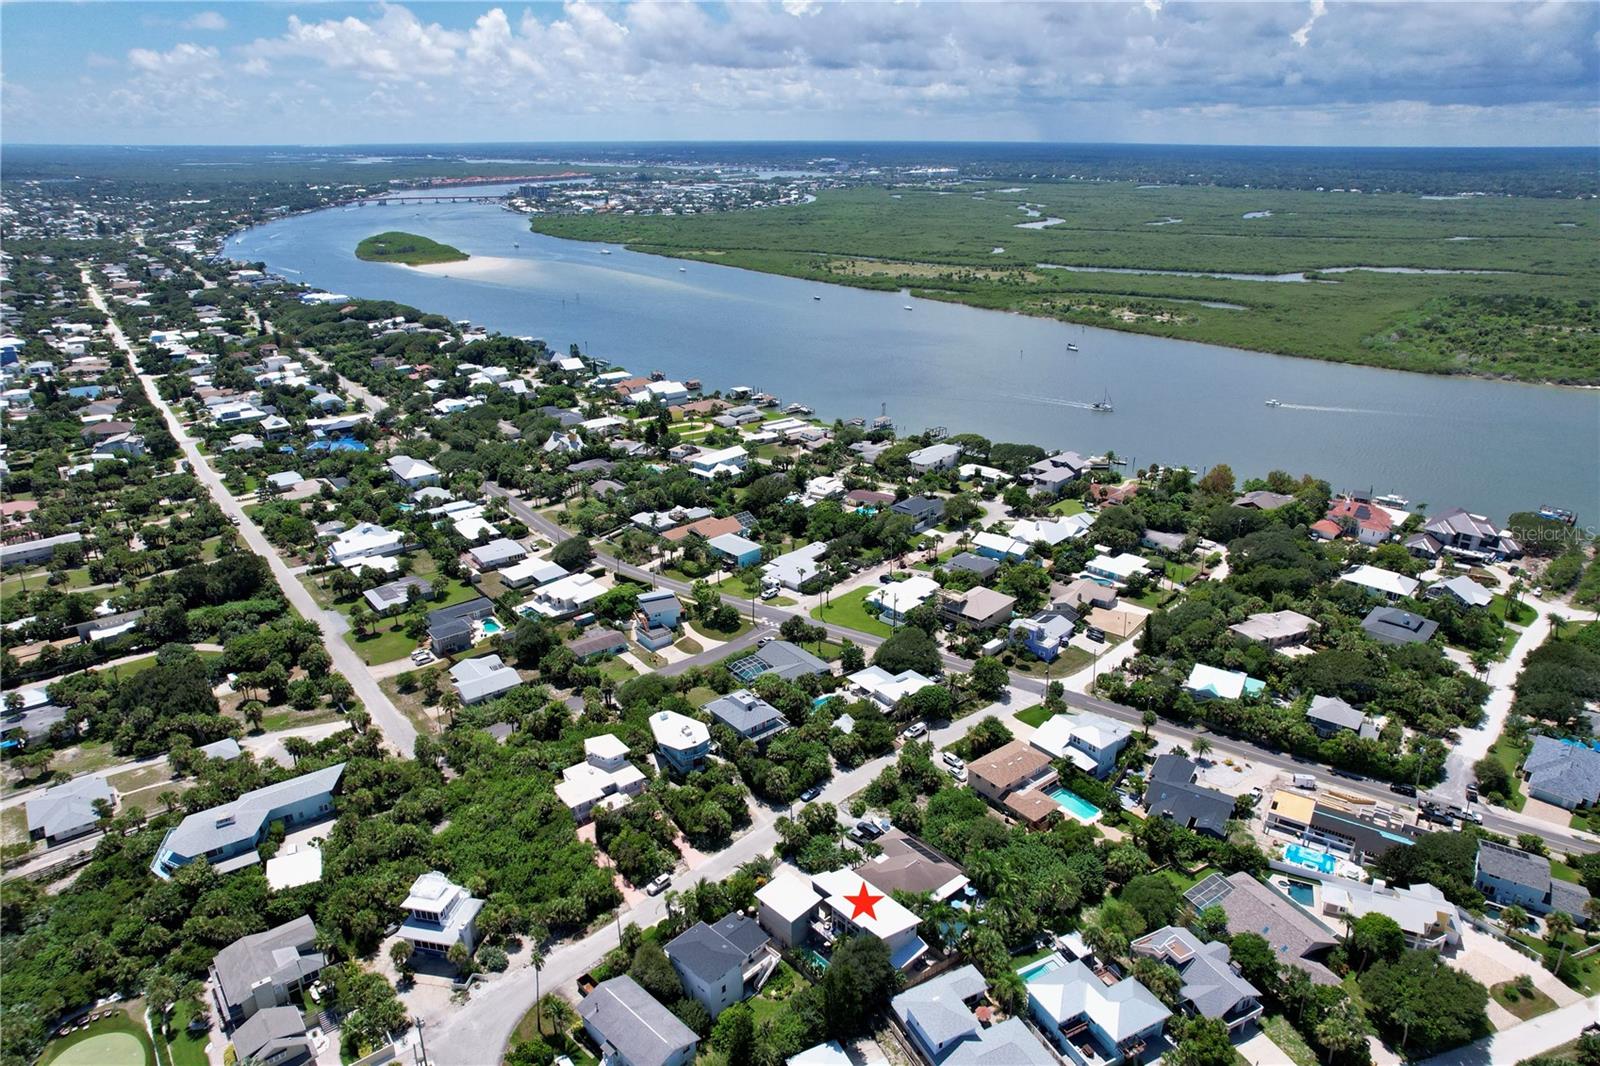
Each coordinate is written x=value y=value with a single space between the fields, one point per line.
x=1306 y=72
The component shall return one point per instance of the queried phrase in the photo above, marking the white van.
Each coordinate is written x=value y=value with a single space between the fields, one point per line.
x=1305 y=781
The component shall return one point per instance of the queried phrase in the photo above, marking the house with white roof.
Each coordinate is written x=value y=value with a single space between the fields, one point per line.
x=1090 y=1022
x=531 y=572
x=1118 y=568
x=682 y=741
x=1090 y=741
x=1385 y=583
x=605 y=778
x=896 y=599
x=793 y=569
x=1428 y=920
x=939 y=1016
x=708 y=463
x=886 y=689
x=935 y=457
x=887 y=920
x=1462 y=589
x=439 y=915
x=366 y=540
x=482 y=678
x=566 y=596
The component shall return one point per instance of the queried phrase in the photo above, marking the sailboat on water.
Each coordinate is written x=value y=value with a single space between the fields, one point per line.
x=1103 y=405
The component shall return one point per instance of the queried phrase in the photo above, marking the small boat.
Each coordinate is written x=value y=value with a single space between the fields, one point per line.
x=693 y=384
x=1558 y=514
x=1274 y=403
x=798 y=409
x=1072 y=347
x=515 y=244
x=816 y=297
x=1391 y=500
x=1103 y=405
x=605 y=251
x=683 y=270
x=910 y=308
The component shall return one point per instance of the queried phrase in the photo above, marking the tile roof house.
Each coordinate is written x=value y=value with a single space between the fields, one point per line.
x=273 y=1036
x=227 y=835
x=1010 y=773
x=944 y=1027
x=1212 y=985
x=1329 y=715
x=748 y=715
x=1390 y=625
x=1567 y=775
x=65 y=811
x=262 y=969
x=632 y=1028
x=1370 y=523
x=1296 y=938
x=1091 y=1023
x=1171 y=792
x=722 y=964
x=1511 y=876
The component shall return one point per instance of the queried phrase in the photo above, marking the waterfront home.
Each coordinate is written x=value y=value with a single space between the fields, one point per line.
x=1330 y=715
x=1466 y=536
x=1381 y=582
x=978 y=608
x=1089 y=741
x=605 y=778
x=896 y=599
x=391 y=597
x=1046 y=632
x=1012 y=769
x=979 y=472
x=1390 y=625
x=708 y=463
x=632 y=1028
x=496 y=554
x=1276 y=629
x=1425 y=917
x=1212 y=985
x=779 y=657
x=793 y=569
x=412 y=473
x=1090 y=1022
x=481 y=678
x=941 y=1016
x=1208 y=682
x=1566 y=773
x=263 y=969
x=886 y=689
x=1050 y=475
x=365 y=541
x=439 y=915
x=228 y=835
x=1296 y=937
x=69 y=810
x=722 y=964
x=1462 y=589
x=748 y=715
x=1262 y=500
x=935 y=457
x=682 y=741
x=1172 y=792
x=1116 y=568
x=452 y=629
x=925 y=512
x=1511 y=876
x=1366 y=521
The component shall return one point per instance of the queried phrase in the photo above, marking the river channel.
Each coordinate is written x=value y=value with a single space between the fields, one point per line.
x=1492 y=447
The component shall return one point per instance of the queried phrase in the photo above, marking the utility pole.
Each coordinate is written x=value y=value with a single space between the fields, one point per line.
x=421 y=1044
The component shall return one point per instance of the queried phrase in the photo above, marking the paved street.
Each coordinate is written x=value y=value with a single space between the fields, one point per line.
x=1524 y=1041
x=397 y=730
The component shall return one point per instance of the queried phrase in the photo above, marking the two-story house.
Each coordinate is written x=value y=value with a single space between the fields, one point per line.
x=1512 y=876
x=748 y=715
x=605 y=778
x=1212 y=985
x=439 y=915
x=263 y=969
x=722 y=964
x=1090 y=1022
x=681 y=741
x=228 y=835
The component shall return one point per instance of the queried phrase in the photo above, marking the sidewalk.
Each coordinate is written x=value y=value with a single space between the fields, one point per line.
x=1526 y=1040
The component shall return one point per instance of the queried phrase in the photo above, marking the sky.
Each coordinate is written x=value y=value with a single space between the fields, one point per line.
x=1295 y=72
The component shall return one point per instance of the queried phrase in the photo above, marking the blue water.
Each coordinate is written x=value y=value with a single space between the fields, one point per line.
x=344 y=444
x=1043 y=966
x=491 y=626
x=1009 y=377
x=1302 y=893
x=1074 y=804
x=1309 y=858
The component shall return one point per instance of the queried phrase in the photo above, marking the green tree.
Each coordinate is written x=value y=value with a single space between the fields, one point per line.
x=857 y=985
x=1204 y=1043
x=735 y=1035
x=654 y=972
x=989 y=677
x=1376 y=938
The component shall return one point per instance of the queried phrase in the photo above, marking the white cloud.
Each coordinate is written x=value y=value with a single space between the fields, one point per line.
x=1303 y=34
x=206 y=20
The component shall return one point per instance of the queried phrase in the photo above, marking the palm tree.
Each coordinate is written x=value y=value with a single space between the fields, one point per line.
x=1513 y=917
x=1556 y=929
x=538 y=933
x=1149 y=719
x=1202 y=748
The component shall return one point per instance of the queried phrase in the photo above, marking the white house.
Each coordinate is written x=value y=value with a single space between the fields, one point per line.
x=1118 y=568
x=412 y=473
x=439 y=915
x=682 y=741
x=886 y=689
x=795 y=568
x=482 y=678
x=567 y=596
x=896 y=599
x=367 y=540
x=1386 y=583
x=708 y=463
x=605 y=778
x=935 y=457
x=1090 y=741
x=1209 y=682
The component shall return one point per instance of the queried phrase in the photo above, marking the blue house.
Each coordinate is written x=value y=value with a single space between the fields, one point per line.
x=738 y=550
x=1512 y=876
x=1045 y=634
x=660 y=608
x=227 y=836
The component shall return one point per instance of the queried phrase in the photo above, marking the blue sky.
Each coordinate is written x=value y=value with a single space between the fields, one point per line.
x=1291 y=72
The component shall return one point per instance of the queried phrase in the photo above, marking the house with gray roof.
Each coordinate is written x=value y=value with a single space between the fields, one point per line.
x=925 y=512
x=1390 y=625
x=450 y=629
x=748 y=715
x=722 y=964
x=228 y=835
x=1276 y=629
x=262 y=970
x=1092 y=1023
x=1296 y=938
x=1171 y=792
x=1511 y=876
x=226 y=749
x=274 y=1036
x=68 y=810
x=481 y=678
x=1330 y=715
x=395 y=595
x=1262 y=500
x=632 y=1028
x=1462 y=589
x=973 y=563
x=779 y=657
x=938 y=1015
x=1562 y=772
x=1212 y=985
x=502 y=551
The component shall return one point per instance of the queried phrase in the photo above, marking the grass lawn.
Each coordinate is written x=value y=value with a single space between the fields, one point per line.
x=1524 y=1006
x=1019 y=961
x=382 y=645
x=292 y=719
x=1067 y=507
x=1519 y=615
x=1153 y=598
x=144 y=777
x=1588 y=821
x=1289 y=1041
x=618 y=670
x=1069 y=662
x=850 y=610
x=689 y=645
x=76 y=578
x=745 y=625
x=700 y=695
x=1035 y=716
x=13 y=825
x=1562 y=872
x=1510 y=755
x=115 y=1041
x=182 y=1049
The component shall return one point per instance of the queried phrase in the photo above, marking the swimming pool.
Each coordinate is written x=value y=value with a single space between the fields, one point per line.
x=1043 y=966
x=1321 y=861
x=1075 y=805
x=1301 y=893
x=490 y=626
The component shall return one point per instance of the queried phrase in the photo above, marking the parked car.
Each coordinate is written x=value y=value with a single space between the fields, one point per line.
x=914 y=730
x=951 y=759
x=810 y=794
x=957 y=772
x=1400 y=788
x=769 y=592
x=868 y=827
x=1096 y=634
x=659 y=885
x=1472 y=793
x=885 y=579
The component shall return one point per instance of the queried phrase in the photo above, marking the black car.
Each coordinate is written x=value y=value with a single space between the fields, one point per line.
x=1403 y=789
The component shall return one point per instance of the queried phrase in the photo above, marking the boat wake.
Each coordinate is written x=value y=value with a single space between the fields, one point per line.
x=1052 y=401
x=1333 y=410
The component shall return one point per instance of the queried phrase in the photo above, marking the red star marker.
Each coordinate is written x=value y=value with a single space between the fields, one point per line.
x=863 y=902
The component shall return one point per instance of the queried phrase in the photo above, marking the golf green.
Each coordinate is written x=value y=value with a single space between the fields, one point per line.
x=112 y=1048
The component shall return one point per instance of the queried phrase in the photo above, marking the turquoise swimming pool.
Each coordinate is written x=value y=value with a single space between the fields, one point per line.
x=1043 y=966
x=491 y=626
x=1312 y=859
x=1075 y=804
x=1302 y=893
